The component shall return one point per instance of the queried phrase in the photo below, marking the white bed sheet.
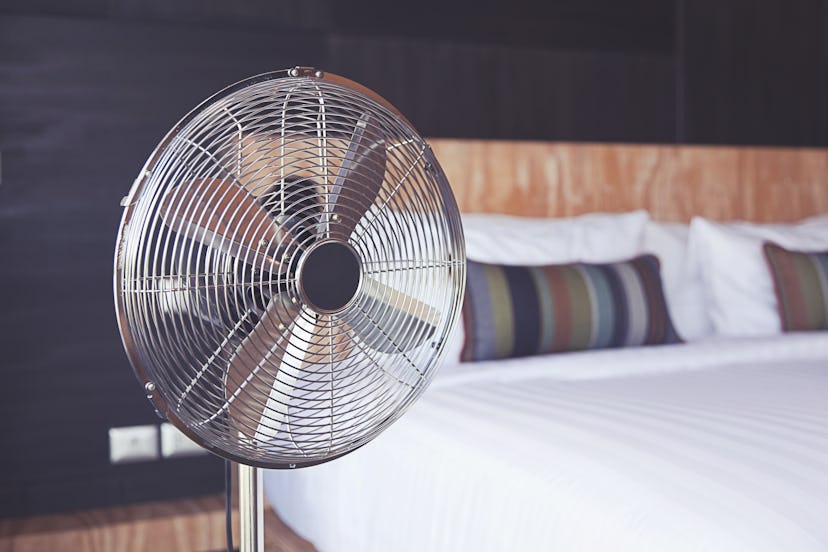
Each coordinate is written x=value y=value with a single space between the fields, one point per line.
x=718 y=445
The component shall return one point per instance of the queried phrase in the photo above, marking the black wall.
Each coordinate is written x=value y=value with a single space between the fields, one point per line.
x=88 y=89
x=82 y=103
x=754 y=72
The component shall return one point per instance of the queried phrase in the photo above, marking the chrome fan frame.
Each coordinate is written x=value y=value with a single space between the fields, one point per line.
x=226 y=327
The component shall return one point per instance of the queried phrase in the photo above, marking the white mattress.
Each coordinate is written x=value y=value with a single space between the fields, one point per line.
x=720 y=445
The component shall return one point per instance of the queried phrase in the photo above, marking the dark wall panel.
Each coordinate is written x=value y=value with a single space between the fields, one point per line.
x=235 y=14
x=755 y=72
x=607 y=25
x=82 y=104
x=452 y=89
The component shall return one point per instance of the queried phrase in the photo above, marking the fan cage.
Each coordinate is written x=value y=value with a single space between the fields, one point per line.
x=190 y=302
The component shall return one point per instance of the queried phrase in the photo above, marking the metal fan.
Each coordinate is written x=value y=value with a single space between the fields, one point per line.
x=289 y=264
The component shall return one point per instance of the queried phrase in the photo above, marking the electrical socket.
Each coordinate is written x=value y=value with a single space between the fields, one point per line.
x=175 y=444
x=133 y=444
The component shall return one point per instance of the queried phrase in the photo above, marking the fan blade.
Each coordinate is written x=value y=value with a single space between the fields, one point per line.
x=303 y=206
x=395 y=321
x=360 y=176
x=259 y=400
x=257 y=385
x=223 y=215
x=186 y=296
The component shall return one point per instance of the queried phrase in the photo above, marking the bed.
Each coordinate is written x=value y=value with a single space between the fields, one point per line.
x=718 y=442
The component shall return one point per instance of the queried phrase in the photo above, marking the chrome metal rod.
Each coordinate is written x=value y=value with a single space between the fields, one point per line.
x=251 y=510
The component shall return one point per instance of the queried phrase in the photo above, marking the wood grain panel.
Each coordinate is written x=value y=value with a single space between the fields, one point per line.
x=673 y=182
x=195 y=524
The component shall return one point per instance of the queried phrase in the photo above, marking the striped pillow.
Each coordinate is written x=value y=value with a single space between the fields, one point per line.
x=513 y=311
x=800 y=281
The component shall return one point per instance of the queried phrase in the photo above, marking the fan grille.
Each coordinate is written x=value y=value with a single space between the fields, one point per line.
x=213 y=285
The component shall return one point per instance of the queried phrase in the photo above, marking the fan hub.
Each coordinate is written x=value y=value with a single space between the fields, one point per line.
x=328 y=275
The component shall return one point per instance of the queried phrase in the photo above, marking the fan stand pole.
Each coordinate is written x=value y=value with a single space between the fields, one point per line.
x=251 y=510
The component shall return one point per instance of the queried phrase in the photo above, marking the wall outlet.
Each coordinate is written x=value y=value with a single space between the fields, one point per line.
x=175 y=444
x=133 y=444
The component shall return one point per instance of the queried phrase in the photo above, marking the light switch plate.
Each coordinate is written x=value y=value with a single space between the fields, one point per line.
x=175 y=444
x=133 y=443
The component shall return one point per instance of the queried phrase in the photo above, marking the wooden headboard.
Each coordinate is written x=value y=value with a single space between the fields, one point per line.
x=673 y=182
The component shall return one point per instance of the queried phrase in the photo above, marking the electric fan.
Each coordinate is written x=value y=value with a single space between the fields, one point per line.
x=288 y=267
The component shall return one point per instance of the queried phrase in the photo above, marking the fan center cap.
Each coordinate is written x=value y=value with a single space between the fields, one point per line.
x=328 y=275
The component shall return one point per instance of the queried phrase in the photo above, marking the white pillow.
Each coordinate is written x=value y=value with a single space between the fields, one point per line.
x=683 y=289
x=503 y=239
x=454 y=344
x=738 y=284
x=596 y=237
x=668 y=242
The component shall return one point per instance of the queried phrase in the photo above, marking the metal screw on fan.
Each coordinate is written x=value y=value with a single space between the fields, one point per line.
x=288 y=268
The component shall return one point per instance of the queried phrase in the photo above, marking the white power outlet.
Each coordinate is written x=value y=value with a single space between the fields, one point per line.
x=175 y=444
x=133 y=443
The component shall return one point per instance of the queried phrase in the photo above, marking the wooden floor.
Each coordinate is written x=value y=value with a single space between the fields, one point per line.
x=195 y=525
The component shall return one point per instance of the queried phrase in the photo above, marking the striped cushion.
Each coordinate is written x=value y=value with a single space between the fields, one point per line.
x=801 y=283
x=513 y=311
